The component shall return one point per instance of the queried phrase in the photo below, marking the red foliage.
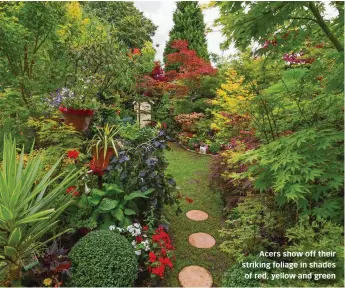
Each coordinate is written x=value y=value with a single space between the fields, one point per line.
x=157 y=72
x=191 y=66
x=63 y=266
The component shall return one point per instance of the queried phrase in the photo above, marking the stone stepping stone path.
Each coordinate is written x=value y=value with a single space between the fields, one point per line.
x=202 y=240
x=195 y=276
x=197 y=215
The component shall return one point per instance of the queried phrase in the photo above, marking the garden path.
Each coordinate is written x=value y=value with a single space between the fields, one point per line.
x=190 y=171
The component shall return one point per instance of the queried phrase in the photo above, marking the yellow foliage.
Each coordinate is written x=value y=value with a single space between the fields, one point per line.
x=215 y=127
x=74 y=12
x=232 y=99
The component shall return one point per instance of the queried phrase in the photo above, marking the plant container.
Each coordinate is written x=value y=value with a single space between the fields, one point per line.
x=79 y=118
x=101 y=162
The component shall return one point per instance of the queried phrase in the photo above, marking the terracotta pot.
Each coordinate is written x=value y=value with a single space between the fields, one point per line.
x=102 y=162
x=80 y=119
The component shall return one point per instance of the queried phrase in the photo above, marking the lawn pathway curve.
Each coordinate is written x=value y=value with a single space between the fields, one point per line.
x=190 y=171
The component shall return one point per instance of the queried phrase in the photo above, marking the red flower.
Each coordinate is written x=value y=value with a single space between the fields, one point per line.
x=189 y=200
x=159 y=271
x=96 y=170
x=166 y=261
x=153 y=257
x=72 y=189
x=73 y=154
x=145 y=228
x=139 y=239
x=164 y=252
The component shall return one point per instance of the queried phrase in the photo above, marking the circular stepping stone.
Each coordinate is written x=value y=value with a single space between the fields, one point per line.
x=197 y=215
x=202 y=240
x=195 y=276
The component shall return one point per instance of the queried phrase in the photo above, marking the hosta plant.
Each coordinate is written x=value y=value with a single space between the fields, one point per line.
x=106 y=206
x=26 y=206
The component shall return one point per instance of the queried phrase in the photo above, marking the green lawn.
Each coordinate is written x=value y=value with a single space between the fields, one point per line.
x=190 y=171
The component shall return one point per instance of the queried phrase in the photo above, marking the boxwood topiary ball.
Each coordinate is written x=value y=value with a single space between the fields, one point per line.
x=103 y=259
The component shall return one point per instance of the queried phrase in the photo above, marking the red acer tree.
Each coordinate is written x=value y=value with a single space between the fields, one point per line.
x=183 y=81
x=190 y=68
x=157 y=83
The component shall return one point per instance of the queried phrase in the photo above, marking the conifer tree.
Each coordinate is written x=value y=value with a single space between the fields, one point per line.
x=188 y=25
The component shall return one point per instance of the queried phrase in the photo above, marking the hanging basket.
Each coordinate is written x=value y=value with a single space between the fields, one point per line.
x=79 y=118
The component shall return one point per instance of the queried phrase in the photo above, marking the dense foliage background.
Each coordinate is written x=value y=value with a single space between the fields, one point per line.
x=273 y=116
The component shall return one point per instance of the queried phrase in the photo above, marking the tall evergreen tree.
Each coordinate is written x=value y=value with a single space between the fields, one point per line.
x=188 y=25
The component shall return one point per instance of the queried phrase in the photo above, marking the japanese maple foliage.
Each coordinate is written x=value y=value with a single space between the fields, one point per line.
x=157 y=83
x=191 y=67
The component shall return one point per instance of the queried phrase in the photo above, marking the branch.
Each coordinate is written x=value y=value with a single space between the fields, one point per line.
x=304 y=18
x=321 y=22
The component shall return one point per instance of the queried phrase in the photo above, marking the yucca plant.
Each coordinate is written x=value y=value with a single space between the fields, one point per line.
x=104 y=139
x=26 y=206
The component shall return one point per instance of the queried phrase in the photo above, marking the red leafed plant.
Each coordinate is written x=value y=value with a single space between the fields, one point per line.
x=160 y=256
x=191 y=66
x=156 y=84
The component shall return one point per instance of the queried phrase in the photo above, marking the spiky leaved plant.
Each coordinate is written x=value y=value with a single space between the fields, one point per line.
x=27 y=211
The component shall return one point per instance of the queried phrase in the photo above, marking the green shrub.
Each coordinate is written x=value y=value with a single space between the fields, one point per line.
x=214 y=148
x=193 y=142
x=234 y=276
x=305 y=169
x=319 y=236
x=255 y=225
x=103 y=259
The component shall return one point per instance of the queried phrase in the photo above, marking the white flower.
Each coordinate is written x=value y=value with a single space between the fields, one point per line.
x=138 y=252
x=121 y=230
x=112 y=227
x=87 y=189
x=134 y=243
x=137 y=225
